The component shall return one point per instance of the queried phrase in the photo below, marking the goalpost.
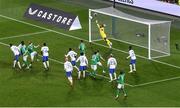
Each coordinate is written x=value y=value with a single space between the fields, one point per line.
x=151 y=35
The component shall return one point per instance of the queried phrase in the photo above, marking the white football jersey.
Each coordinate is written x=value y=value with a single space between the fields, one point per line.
x=45 y=51
x=15 y=50
x=72 y=55
x=20 y=46
x=112 y=63
x=83 y=60
x=68 y=66
x=132 y=55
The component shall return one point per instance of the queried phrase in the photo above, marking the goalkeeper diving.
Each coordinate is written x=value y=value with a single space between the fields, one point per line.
x=103 y=34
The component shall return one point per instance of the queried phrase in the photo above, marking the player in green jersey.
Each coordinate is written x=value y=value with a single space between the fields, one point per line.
x=99 y=58
x=31 y=49
x=94 y=64
x=24 y=53
x=120 y=87
x=82 y=47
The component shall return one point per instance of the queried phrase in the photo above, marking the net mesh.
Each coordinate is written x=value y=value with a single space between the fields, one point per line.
x=132 y=30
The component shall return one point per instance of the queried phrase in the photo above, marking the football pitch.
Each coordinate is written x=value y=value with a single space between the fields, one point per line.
x=156 y=82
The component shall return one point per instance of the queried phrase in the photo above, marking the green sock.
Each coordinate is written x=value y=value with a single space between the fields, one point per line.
x=117 y=92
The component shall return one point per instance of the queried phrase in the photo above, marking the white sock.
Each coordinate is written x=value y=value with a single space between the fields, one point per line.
x=115 y=76
x=110 y=75
x=14 y=65
x=19 y=64
x=134 y=66
x=44 y=63
x=84 y=74
x=70 y=80
x=79 y=75
x=130 y=68
x=47 y=63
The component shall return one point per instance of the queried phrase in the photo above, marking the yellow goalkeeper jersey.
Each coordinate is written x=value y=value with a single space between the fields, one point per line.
x=102 y=33
x=101 y=30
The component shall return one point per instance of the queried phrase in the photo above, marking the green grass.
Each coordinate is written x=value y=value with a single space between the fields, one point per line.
x=36 y=87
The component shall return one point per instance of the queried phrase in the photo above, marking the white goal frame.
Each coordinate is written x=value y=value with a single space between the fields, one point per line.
x=128 y=19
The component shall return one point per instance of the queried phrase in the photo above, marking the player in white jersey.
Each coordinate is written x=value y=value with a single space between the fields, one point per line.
x=16 y=52
x=68 y=68
x=83 y=65
x=112 y=64
x=132 y=55
x=72 y=54
x=45 y=55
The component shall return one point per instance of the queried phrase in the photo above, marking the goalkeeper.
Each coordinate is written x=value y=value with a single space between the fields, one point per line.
x=103 y=34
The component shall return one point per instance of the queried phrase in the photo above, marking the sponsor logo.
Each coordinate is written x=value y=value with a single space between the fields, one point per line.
x=51 y=16
x=126 y=1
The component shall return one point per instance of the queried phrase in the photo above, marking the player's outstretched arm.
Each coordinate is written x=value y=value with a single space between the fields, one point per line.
x=128 y=57
x=97 y=24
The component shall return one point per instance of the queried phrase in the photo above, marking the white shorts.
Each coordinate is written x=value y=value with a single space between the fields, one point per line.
x=33 y=54
x=25 y=58
x=94 y=67
x=120 y=86
x=99 y=63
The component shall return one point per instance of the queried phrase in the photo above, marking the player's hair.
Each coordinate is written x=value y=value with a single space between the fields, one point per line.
x=22 y=42
x=130 y=47
x=81 y=40
x=10 y=44
x=95 y=52
x=44 y=44
x=29 y=42
x=82 y=54
x=111 y=55
x=121 y=72
x=101 y=26
x=66 y=59
x=70 y=49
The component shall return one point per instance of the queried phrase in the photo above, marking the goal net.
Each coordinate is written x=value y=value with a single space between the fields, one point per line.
x=153 y=36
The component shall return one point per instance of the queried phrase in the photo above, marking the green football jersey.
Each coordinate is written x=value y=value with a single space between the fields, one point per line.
x=26 y=52
x=82 y=48
x=98 y=57
x=31 y=48
x=121 y=79
x=93 y=60
x=23 y=49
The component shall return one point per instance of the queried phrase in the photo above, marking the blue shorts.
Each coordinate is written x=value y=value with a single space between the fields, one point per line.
x=73 y=63
x=45 y=58
x=16 y=57
x=82 y=68
x=111 y=71
x=132 y=62
x=68 y=74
